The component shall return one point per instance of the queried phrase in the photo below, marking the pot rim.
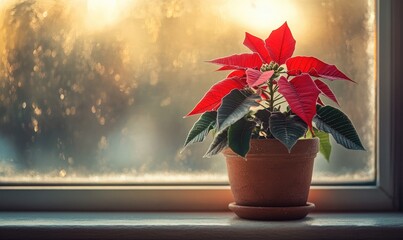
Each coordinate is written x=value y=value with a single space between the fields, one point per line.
x=274 y=139
x=304 y=147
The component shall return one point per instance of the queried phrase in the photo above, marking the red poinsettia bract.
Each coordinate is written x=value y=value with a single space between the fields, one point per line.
x=277 y=48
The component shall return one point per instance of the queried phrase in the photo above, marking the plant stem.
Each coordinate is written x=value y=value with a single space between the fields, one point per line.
x=278 y=98
x=264 y=90
x=264 y=107
x=279 y=103
x=271 y=103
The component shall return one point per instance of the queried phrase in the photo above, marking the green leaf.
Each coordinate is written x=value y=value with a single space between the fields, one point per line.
x=239 y=135
x=287 y=129
x=235 y=106
x=219 y=143
x=335 y=122
x=325 y=146
x=201 y=128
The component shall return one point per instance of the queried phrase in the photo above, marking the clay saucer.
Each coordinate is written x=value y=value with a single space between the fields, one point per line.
x=271 y=213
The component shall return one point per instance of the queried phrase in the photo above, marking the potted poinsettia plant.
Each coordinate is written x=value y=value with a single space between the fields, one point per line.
x=268 y=118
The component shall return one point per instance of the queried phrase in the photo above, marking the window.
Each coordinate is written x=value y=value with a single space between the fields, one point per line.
x=93 y=93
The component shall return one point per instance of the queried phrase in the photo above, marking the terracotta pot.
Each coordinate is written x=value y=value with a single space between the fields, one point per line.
x=270 y=176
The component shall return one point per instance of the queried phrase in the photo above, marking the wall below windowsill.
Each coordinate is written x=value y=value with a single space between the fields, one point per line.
x=205 y=225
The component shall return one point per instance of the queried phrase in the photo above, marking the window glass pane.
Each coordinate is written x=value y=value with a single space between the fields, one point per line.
x=95 y=91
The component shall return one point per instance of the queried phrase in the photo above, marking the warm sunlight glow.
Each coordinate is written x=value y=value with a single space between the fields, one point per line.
x=261 y=14
x=101 y=13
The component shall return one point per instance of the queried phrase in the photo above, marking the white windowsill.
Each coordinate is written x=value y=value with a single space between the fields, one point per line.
x=205 y=225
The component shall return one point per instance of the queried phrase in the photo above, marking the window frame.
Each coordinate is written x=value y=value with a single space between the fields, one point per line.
x=216 y=198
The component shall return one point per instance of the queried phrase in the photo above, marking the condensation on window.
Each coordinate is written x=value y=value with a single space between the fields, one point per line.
x=95 y=91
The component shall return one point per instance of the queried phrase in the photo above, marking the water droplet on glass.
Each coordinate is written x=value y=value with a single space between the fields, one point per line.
x=102 y=120
x=62 y=173
x=165 y=102
x=103 y=143
x=37 y=111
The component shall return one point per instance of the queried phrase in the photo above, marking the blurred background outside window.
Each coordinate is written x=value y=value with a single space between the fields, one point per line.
x=94 y=91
